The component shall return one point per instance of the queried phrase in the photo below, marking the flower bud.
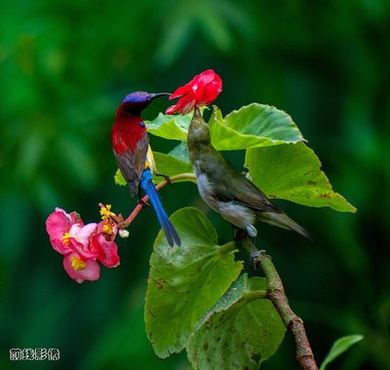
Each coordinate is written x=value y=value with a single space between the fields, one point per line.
x=123 y=233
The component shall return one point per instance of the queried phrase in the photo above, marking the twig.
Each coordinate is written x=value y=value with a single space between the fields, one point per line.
x=293 y=323
x=176 y=178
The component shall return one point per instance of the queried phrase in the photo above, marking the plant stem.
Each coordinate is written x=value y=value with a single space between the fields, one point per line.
x=228 y=247
x=144 y=200
x=293 y=323
x=256 y=294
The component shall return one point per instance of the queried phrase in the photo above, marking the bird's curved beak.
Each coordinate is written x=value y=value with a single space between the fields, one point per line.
x=157 y=95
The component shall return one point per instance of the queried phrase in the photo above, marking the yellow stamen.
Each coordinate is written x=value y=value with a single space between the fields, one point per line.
x=107 y=228
x=77 y=263
x=66 y=237
x=105 y=212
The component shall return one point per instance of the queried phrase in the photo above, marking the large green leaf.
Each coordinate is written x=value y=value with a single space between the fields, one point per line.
x=340 y=346
x=254 y=125
x=181 y=152
x=293 y=172
x=173 y=163
x=240 y=332
x=170 y=127
x=170 y=165
x=186 y=281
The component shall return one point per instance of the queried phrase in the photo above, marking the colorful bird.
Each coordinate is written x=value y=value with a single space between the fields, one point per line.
x=130 y=144
x=229 y=192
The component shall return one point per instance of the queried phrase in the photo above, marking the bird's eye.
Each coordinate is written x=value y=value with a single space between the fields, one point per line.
x=142 y=124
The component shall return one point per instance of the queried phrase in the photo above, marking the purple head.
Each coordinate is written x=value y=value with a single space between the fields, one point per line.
x=136 y=101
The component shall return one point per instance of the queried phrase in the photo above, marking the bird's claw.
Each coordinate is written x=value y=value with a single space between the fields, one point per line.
x=257 y=256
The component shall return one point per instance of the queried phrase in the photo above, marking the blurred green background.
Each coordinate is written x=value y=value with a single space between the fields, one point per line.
x=64 y=67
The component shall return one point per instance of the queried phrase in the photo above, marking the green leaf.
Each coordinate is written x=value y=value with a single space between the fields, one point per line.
x=169 y=126
x=293 y=172
x=119 y=179
x=254 y=125
x=175 y=162
x=340 y=346
x=181 y=152
x=240 y=332
x=186 y=281
x=169 y=165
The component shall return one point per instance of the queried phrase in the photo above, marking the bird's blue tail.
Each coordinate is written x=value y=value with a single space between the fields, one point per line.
x=148 y=187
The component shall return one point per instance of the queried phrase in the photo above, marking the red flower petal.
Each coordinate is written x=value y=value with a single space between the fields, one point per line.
x=206 y=76
x=180 y=91
x=107 y=250
x=203 y=89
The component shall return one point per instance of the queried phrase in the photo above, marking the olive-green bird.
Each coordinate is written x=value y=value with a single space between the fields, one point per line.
x=227 y=191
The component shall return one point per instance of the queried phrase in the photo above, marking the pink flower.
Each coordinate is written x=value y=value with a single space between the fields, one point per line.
x=203 y=89
x=80 y=269
x=71 y=238
x=68 y=233
x=83 y=246
x=102 y=243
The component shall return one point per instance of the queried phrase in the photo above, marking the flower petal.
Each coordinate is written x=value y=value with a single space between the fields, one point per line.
x=80 y=269
x=203 y=89
x=82 y=234
x=206 y=76
x=75 y=218
x=180 y=91
x=107 y=250
x=58 y=223
x=60 y=247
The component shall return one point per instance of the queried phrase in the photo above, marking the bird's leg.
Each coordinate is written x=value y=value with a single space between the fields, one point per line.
x=240 y=234
x=255 y=253
x=249 y=242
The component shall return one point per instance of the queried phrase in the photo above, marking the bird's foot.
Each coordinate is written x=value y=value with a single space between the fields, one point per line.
x=257 y=255
x=240 y=235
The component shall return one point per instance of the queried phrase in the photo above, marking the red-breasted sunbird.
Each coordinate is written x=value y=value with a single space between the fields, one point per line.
x=130 y=144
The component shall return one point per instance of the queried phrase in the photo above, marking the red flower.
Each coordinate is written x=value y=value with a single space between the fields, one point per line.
x=203 y=89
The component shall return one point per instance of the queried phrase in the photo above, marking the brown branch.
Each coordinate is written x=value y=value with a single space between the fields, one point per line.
x=293 y=323
x=123 y=224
